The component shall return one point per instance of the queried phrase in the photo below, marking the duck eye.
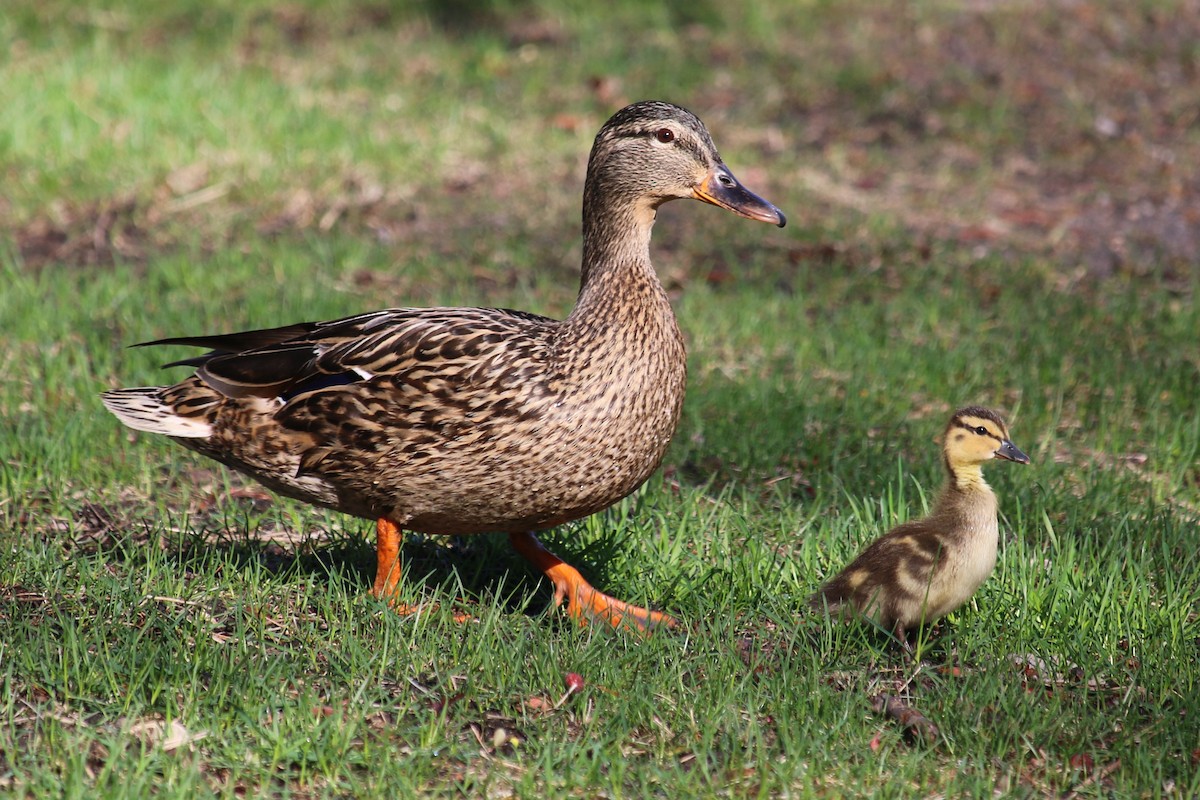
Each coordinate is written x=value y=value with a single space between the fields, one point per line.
x=665 y=135
x=982 y=431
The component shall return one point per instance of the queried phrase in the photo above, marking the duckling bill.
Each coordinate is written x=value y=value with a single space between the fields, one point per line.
x=924 y=569
x=475 y=420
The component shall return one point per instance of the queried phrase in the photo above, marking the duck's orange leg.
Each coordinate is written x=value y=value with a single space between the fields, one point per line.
x=584 y=602
x=387 y=570
x=387 y=559
x=387 y=566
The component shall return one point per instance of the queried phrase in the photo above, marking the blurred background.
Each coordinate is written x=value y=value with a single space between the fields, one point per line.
x=1063 y=130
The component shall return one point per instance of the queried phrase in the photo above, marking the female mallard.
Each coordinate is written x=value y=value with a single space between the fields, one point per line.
x=475 y=420
x=923 y=569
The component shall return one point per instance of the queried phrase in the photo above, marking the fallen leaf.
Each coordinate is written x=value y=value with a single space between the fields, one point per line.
x=166 y=735
x=915 y=725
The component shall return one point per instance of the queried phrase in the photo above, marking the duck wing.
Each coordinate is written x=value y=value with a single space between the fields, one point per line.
x=289 y=361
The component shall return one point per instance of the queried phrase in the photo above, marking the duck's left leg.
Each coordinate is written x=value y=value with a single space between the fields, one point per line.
x=584 y=602
x=387 y=571
x=387 y=560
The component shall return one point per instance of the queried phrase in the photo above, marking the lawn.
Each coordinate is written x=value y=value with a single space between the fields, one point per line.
x=988 y=203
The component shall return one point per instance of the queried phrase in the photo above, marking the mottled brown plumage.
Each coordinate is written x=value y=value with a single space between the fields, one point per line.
x=924 y=569
x=475 y=420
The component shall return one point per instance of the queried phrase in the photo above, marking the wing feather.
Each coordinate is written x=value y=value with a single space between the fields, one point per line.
x=285 y=361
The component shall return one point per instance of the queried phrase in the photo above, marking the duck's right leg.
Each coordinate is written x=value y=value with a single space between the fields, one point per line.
x=585 y=603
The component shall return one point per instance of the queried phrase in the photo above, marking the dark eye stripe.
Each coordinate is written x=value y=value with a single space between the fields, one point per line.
x=973 y=429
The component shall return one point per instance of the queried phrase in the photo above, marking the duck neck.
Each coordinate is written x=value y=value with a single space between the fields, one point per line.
x=616 y=253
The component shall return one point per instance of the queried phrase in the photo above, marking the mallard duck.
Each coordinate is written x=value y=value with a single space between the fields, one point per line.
x=923 y=569
x=475 y=420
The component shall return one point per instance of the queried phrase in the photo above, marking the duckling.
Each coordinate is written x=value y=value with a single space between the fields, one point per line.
x=475 y=420
x=924 y=569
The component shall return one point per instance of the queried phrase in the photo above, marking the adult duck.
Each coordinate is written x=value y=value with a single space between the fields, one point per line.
x=475 y=420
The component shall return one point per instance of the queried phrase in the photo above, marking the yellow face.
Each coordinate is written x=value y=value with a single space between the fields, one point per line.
x=973 y=438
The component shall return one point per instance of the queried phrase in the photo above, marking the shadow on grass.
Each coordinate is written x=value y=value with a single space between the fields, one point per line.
x=239 y=537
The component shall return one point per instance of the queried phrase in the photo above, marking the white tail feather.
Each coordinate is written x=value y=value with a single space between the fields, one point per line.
x=143 y=409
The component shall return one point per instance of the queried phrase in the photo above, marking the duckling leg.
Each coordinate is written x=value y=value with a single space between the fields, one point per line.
x=584 y=602
x=387 y=571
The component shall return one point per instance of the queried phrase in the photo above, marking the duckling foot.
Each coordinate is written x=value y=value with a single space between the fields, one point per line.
x=387 y=572
x=901 y=635
x=585 y=603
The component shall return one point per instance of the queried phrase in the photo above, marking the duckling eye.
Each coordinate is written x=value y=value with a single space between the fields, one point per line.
x=982 y=431
x=665 y=135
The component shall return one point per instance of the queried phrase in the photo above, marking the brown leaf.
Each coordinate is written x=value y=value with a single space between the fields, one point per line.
x=1082 y=761
x=915 y=725
x=186 y=180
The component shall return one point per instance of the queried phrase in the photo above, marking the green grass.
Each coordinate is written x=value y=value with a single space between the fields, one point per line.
x=953 y=239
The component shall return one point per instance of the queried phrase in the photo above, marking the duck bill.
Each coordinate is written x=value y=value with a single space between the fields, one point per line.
x=723 y=190
x=1009 y=452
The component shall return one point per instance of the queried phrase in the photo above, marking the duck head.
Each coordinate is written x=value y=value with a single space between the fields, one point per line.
x=651 y=152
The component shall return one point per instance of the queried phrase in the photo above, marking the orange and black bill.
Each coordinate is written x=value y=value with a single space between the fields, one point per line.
x=722 y=189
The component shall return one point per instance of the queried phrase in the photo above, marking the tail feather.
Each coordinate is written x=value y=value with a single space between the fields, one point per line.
x=144 y=409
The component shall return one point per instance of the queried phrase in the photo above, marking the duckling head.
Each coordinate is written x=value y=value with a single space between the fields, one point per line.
x=977 y=435
x=651 y=152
